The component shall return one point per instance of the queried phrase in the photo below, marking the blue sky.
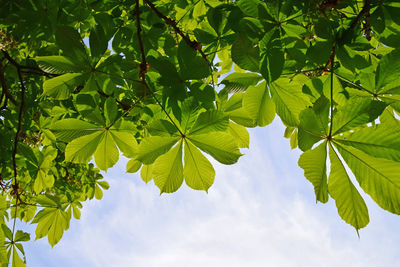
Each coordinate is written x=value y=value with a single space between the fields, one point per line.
x=259 y=212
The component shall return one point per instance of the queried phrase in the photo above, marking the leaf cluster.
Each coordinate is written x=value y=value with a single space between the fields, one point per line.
x=169 y=84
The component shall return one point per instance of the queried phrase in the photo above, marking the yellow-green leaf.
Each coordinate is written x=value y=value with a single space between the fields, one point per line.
x=198 y=172
x=351 y=206
x=168 y=170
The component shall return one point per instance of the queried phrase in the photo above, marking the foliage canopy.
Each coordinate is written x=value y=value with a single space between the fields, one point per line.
x=84 y=79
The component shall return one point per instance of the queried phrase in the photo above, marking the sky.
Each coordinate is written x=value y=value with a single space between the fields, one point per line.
x=259 y=212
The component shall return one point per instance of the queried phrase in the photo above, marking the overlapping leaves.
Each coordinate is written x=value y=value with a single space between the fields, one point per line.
x=161 y=153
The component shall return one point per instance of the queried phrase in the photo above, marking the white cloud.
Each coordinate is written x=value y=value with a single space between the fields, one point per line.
x=259 y=212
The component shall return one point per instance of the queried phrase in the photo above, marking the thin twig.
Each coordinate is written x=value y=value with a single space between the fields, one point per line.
x=5 y=87
x=37 y=71
x=15 y=219
x=187 y=11
x=143 y=64
x=193 y=44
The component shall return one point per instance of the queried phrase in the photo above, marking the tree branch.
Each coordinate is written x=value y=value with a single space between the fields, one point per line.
x=364 y=11
x=193 y=44
x=4 y=85
x=33 y=70
x=143 y=64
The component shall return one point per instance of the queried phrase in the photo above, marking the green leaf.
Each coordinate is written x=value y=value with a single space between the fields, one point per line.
x=378 y=141
x=271 y=65
x=240 y=134
x=249 y=7
x=237 y=82
x=358 y=111
x=273 y=57
x=289 y=100
x=21 y=236
x=97 y=41
x=98 y=193
x=198 y=172
x=106 y=154
x=162 y=127
x=60 y=87
x=81 y=149
x=147 y=172
x=259 y=105
x=154 y=146
x=43 y=181
x=70 y=42
x=210 y=121
x=388 y=70
x=191 y=65
x=168 y=170
x=245 y=54
x=133 y=166
x=57 y=64
x=314 y=124
x=16 y=260
x=51 y=222
x=313 y=162
x=110 y=111
x=221 y=146
x=377 y=177
x=350 y=204
x=7 y=232
x=67 y=130
x=125 y=141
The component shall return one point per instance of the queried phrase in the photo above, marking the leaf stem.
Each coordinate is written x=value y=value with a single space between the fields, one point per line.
x=331 y=106
x=143 y=64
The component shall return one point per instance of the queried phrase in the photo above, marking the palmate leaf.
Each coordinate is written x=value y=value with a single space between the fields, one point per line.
x=103 y=144
x=51 y=222
x=198 y=172
x=168 y=170
x=350 y=204
x=259 y=105
x=378 y=177
x=313 y=162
